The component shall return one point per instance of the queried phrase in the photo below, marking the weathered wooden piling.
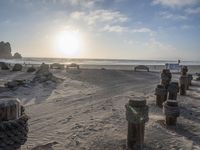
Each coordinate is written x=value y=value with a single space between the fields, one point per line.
x=184 y=70
x=166 y=77
x=171 y=111
x=161 y=95
x=13 y=124
x=183 y=84
x=136 y=115
x=190 y=78
x=173 y=89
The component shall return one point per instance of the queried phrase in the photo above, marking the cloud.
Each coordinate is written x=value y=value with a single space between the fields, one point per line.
x=115 y=28
x=101 y=15
x=193 y=10
x=156 y=48
x=85 y=3
x=168 y=15
x=142 y=30
x=175 y=3
x=185 y=27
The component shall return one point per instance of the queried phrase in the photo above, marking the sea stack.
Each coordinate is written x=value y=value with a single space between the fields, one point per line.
x=6 y=51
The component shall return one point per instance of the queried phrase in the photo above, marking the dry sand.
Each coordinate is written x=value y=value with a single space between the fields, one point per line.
x=86 y=111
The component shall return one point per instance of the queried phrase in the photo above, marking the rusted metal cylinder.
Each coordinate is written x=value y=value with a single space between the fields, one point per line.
x=171 y=111
x=166 y=77
x=173 y=89
x=136 y=115
x=183 y=84
x=161 y=95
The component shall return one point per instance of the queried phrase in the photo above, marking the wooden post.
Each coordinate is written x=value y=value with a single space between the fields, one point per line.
x=161 y=95
x=136 y=115
x=190 y=78
x=173 y=89
x=171 y=111
x=10 y=109
x=166 y=77
x=183 y=84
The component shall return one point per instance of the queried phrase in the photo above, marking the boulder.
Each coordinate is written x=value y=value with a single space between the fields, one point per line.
x=17 y=56
x=17 y=67
x=4 y=66
x=43 y=74
x=57 y=66
x=15 y=83
x=31 y=69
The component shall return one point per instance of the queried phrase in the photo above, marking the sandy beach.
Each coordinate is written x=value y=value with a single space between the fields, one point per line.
x=85 y=110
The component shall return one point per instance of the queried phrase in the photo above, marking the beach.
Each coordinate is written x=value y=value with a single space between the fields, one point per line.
x=85 y=110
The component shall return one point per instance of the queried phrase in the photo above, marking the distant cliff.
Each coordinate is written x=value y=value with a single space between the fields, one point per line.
x=5 y=51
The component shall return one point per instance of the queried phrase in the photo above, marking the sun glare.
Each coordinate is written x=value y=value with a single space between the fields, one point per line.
x=69 y=43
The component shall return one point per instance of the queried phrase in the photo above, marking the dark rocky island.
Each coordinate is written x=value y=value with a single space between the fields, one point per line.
x=5 y=51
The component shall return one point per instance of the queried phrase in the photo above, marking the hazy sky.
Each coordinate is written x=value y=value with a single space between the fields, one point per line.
x=126 y=29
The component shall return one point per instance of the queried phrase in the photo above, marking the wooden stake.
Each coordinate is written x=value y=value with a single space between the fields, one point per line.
x=10 y=109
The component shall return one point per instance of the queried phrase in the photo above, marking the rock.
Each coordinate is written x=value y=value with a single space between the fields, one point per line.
x=57 y=66
x=5 y=50
x=17 y=67
x=4 y=66
x=31 y=69
x=43 y=74
x=17 y=56
x=15 y=83
x=43 y=70
x=2 y=89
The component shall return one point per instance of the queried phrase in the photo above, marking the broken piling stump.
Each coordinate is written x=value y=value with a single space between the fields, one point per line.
x=171 y=111
x=173 y=89
x=161 y=95
x=190 y=78
x=166 y=77
x=136 y=115
x=183 y=84
x=13 y=124
x=184 y=70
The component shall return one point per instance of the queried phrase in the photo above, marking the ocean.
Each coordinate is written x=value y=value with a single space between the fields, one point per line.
x=95 y=61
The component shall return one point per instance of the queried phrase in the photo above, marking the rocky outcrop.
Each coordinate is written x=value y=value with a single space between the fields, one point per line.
x=5 y=51
x=17 y=56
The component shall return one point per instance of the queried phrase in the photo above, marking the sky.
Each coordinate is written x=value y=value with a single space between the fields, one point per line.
x=109 y=29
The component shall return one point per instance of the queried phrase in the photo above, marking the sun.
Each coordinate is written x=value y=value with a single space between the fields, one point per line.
x=69 y=43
